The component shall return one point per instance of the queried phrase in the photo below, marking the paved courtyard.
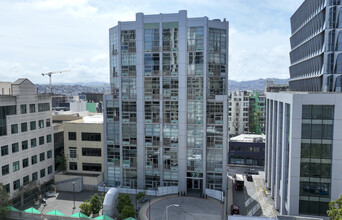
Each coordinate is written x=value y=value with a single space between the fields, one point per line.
x=63 y=202
x=190 y=208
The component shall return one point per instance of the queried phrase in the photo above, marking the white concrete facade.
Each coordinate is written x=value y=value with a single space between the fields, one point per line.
x=29 y=134
x=239 y=112
x=284 y=154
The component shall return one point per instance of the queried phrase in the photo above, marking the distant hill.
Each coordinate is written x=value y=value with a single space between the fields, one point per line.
x=258 y=84
x=103 y=87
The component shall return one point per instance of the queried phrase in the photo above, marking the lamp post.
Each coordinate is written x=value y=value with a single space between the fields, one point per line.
x=166 y=210
x=45 y=201
x=103 y=196
x=73 y=194
x=149 y=209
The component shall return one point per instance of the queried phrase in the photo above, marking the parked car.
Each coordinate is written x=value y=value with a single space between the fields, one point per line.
x=234 y=209
x=249 y=177
x=251 y=171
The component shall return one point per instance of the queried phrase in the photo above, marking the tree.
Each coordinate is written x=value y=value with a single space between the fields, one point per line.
x=335 y=209
x=96 y=203
x=128 y=211
x=140 y=195
x=86 y=208
x=124 y=200
x=61 y=163
x=4 y=201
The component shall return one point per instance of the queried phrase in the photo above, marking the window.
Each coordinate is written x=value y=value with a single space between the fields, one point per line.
x=95 y=152
x=7 y=188
x=42 y=107
x=41 y=157
x=33 y=125
x=91 y=167
x=72 y=152
x=34 y=159
x=48 y=138
x=72 y=165
x=5 y=170
x=15 y=147
x=72 y=136
x=4 y=150
x=91 y=136
x=16 y=166
x=42 y=173
x=49 y=169
x=14 y=129
x=34 y=176
x=41 y=140
x=24 y=127
x=23 y=109
x=33 y=142
x=48 y=122
x=26 y=179
x=49 y=154
x=32 y=108
x=4 y=111
x=24 y=145
x=16 y=184
x=41 y=123
x=25 y=162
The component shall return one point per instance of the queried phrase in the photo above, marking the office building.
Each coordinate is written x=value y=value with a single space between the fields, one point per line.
x=247 y=149
x=257 y=112
x=316 y=45
x=303 y=153
x=26 y=138
x=166 y=117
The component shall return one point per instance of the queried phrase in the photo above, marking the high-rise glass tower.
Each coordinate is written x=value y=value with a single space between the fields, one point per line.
x=316 y=45
x=166 y=117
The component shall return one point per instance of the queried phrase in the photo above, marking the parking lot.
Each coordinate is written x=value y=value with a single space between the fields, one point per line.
x=252 y=200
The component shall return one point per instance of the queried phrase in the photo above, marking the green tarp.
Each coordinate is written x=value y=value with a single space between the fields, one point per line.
x=32 y=210
x=11 y=208
x=104 y=217
x=130 y=218
x=55 y=212
x=79 y=215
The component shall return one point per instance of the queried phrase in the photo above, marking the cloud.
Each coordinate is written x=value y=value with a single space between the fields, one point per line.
x=49 y=35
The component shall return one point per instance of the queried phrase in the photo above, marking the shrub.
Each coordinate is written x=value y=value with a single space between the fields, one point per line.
x=86 y=208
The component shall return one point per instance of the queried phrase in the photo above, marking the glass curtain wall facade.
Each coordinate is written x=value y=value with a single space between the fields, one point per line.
x=316 y=59
x=168 y=81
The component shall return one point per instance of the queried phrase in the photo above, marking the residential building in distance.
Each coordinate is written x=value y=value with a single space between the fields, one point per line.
x=316 y=62
x=303 y=153
x=166 y=117
x=26 y=136
x=247 y=149
x=238 y=113
x=257 y=112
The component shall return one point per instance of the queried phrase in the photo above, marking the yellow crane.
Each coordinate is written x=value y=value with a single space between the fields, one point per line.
x=50 y=73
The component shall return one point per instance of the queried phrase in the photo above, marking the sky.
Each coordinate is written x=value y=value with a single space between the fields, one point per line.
x=39 y=36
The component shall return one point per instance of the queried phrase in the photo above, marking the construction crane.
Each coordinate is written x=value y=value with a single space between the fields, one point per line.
x=50 y=73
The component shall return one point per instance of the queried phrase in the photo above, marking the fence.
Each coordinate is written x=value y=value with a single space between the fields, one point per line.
x=216 y=194
x=161 y=191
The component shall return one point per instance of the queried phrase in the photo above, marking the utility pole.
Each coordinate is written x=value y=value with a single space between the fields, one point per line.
x=50 y=73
